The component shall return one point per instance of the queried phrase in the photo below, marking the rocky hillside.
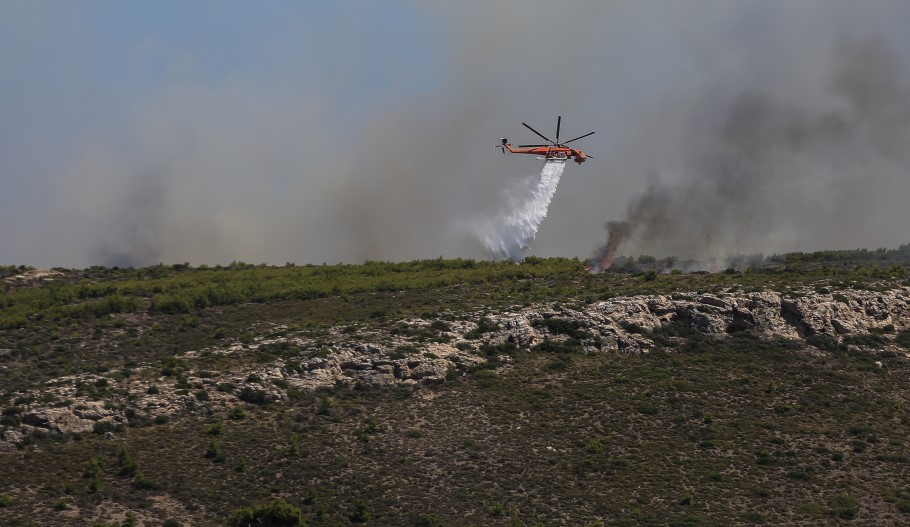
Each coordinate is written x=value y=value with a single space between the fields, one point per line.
x=279 y=363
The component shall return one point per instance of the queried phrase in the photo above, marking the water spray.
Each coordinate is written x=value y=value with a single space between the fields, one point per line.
x=510 y=233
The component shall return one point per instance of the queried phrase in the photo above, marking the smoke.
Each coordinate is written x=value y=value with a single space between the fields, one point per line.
x=758 y=168
x=269 y=135
x=509 y=234
x=138 y=241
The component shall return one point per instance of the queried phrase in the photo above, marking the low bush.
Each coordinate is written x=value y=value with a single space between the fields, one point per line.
x=127 y=464
x=214 y=452
x=278 y=513
x=903 y=339
x=253 y=395
x=215 y=429
x=103 y=427
x=559 y=326
x=483 y=326
x=844 y=506
x=360 y=512
x=555 y=346
x=427 y=520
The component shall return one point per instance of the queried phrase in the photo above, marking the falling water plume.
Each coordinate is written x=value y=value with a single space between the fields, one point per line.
x=508 y=235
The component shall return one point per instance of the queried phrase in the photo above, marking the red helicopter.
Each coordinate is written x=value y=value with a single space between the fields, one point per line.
x=555 y=151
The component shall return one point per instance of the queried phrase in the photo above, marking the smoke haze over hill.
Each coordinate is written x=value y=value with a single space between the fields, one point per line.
x=764 y=172
x=723 y=126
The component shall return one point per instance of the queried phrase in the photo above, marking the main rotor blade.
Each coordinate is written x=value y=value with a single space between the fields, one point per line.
x=529 y=146
x=579 y=137
x=558 y=123
x=536 y=132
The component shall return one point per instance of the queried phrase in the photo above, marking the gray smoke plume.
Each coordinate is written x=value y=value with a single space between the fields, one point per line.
x=138 y=241
x=146 y=145
x=760 y=170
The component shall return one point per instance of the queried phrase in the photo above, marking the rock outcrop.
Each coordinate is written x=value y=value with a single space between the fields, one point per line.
x=417 y=351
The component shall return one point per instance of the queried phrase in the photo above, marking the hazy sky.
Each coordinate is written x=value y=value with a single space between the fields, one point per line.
x=138 y=132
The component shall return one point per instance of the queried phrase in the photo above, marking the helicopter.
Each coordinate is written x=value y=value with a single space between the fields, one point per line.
x=555 y=151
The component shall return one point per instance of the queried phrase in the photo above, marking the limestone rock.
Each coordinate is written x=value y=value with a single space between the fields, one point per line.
x=66 y=421
x=617 y=325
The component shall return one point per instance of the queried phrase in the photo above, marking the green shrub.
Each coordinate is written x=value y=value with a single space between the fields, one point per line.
x=439 y=325
x=486 y=378
x=865 y=340
x=753 y=517
x=214 y=452
x=370 y=427
x=594 y=447
x=631 y=327
x=5 y=501
x=294 y=448
x=559 y=326
x=493 y=350
x=278 y=513
x=215 y=429
x=141 y=482
x=761 y=492
x=645 y=409
x=360 y=512
x=103 y=427
x=554 y=346
x=844 y=506
x=128 y=466
x=94 y=486
x=484 y=325
x=311 y=497
x=860 y=430
x=799 y=475
x=253 y=395
x=893 y=458
x=427 y=520
x=559 y=362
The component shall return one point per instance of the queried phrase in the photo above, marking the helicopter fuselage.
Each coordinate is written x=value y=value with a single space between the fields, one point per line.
x=553 y=153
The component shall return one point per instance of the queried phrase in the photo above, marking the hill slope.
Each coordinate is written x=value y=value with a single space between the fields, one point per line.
x=481 y=394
